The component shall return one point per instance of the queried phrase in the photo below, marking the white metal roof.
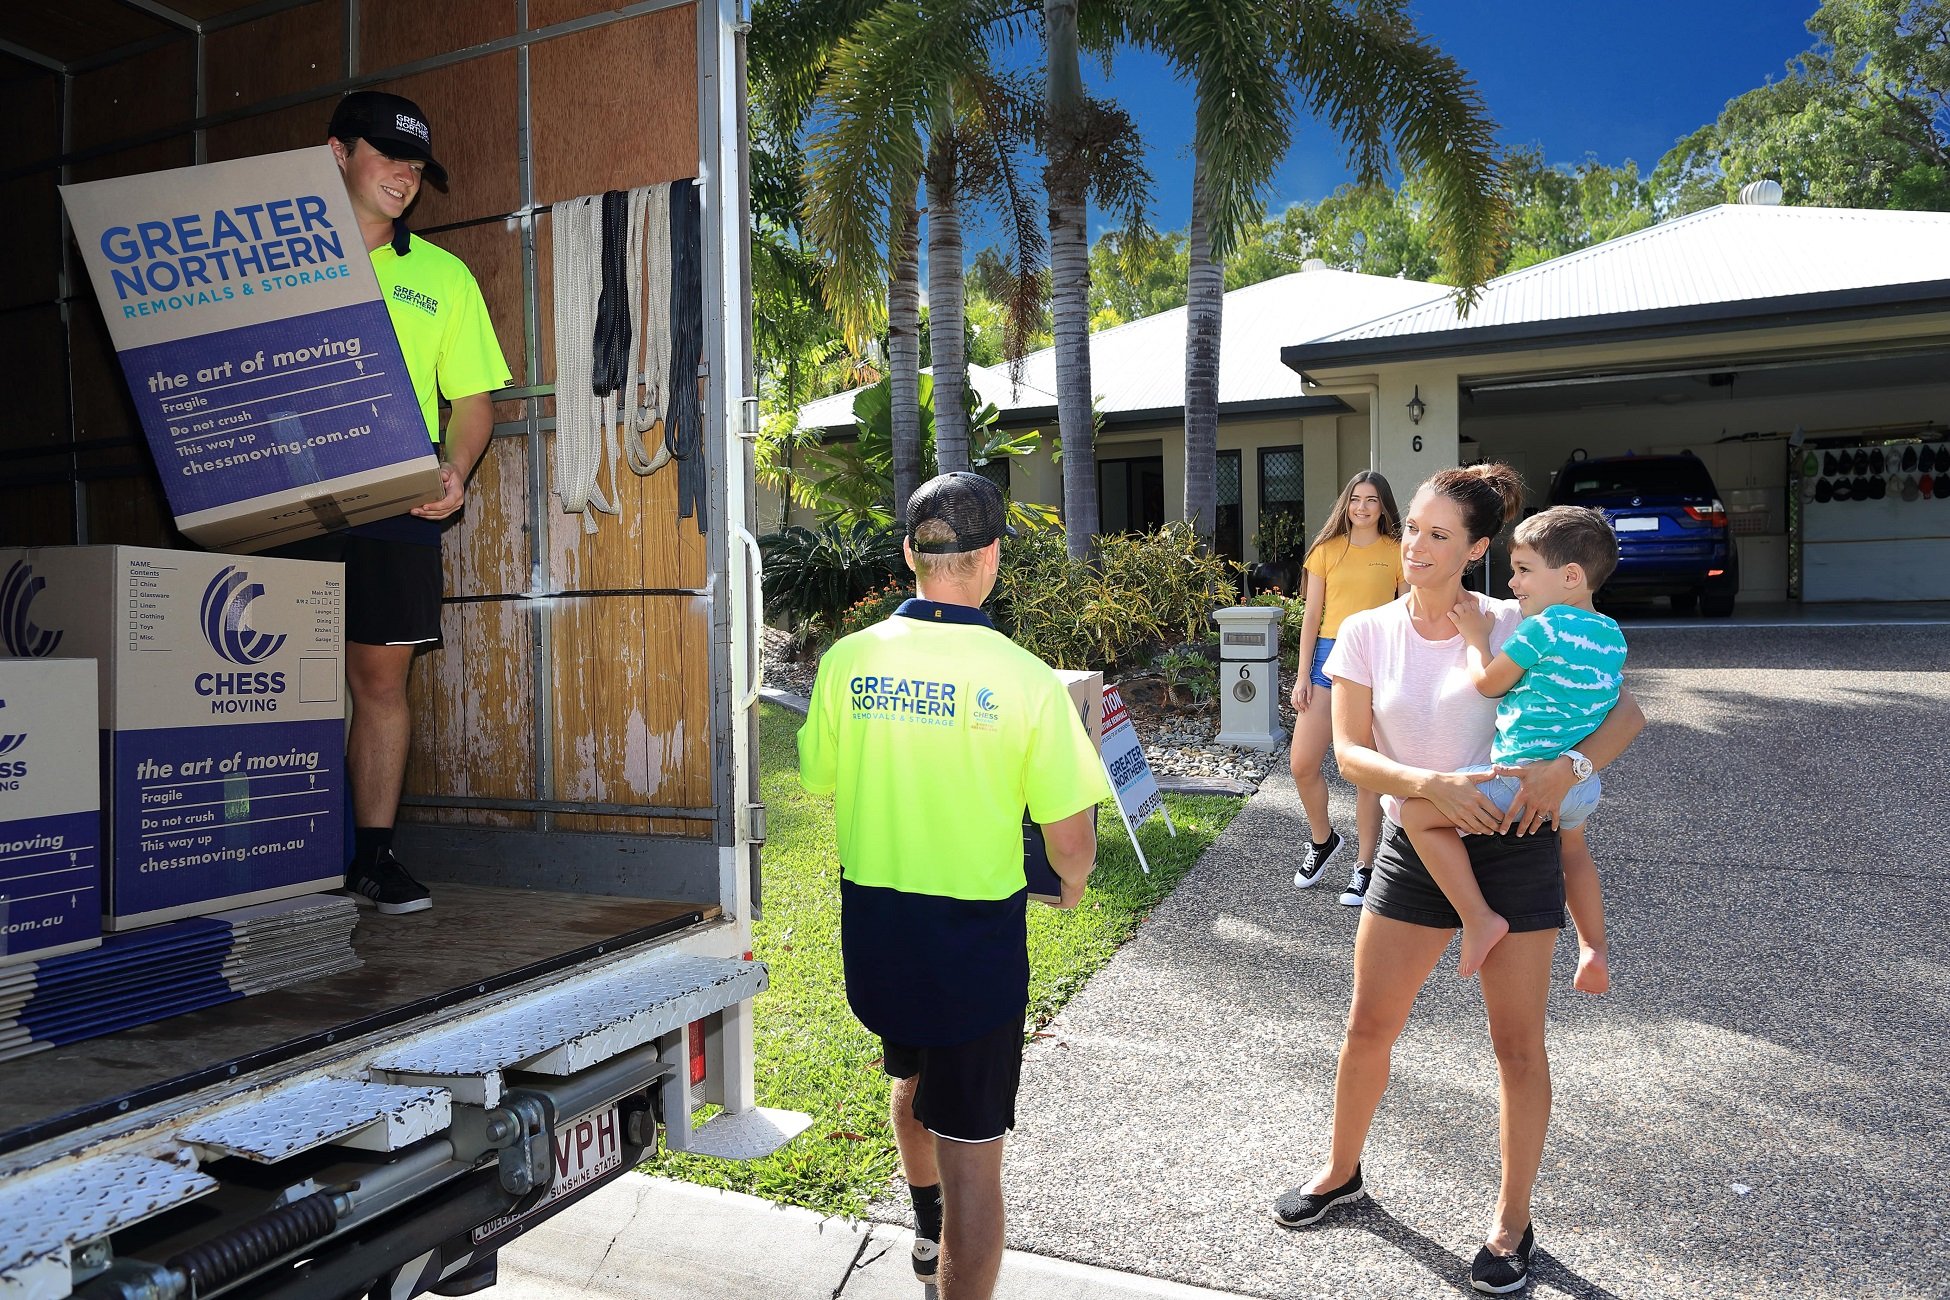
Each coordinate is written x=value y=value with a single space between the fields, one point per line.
x=1731 y=253
x=1140 y=365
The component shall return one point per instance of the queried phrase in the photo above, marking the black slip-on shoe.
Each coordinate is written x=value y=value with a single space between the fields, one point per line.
x=1296 y=1208
x=1495 y=1274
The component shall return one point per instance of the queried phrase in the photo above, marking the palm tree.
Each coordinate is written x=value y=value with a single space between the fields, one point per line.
x=1372 y=79
x=1065 y=179
x=898 y=70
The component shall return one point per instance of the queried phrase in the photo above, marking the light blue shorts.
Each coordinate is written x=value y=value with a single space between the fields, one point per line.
x=1578 y=804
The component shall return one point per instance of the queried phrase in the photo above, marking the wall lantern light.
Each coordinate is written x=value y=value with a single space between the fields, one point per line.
x=1416 y=406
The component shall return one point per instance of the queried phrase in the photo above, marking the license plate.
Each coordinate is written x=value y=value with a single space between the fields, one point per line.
x=1635 y=524
x=585 y=1150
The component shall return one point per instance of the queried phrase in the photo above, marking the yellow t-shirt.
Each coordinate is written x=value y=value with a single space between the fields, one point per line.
x=443 y=326
x=1357 y=577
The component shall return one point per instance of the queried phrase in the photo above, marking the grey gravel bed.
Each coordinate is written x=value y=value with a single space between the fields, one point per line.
x=1760 y=1106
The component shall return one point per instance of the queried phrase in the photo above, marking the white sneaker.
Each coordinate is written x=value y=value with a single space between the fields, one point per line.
x=1357 y=887
x=1316 y=860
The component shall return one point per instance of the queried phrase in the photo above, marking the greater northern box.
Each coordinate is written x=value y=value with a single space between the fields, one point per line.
x=50 y=810
x=247 y=317
x=1087 y=695
x=222 y=722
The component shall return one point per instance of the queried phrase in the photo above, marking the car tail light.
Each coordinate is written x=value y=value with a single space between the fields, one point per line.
x=1712 y=513
x=696 y=1036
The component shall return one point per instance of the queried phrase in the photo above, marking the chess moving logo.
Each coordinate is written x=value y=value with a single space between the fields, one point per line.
x=226 y=626
x=17 y=630
x=226 y=619
x=11 y=770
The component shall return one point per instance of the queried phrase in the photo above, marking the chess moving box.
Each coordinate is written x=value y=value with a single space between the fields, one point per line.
x=222 y=723
x=248 y=321
x=50 y=810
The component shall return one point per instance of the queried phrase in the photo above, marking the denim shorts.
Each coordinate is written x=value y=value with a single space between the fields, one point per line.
x=1579 y=804
x=1521 y=877
x=1321 y=646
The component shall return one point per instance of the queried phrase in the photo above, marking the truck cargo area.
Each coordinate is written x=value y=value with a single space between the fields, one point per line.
x=474 y=940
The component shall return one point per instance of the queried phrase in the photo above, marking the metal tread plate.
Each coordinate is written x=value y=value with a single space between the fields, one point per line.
x=748 y=1135
x=44 y=1215
x=574 y=1028
x=370 y=1116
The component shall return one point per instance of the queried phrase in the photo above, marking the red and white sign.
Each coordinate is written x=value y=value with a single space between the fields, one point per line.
x=585 y=1150
x=1130 y=773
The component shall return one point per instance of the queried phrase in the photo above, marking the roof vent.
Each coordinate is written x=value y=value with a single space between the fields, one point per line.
x=1314 y=264
x=1761 y=194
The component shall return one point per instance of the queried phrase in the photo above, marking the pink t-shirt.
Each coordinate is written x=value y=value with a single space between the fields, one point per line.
x=1427 y=713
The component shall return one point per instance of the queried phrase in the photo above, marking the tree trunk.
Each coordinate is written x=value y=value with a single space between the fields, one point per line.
x=1069 y=244
x=1205 y=291
x=947 y=339
x=904 y=356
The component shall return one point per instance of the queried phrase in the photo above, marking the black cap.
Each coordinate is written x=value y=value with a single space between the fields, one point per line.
x=967 y=503
x=392 y=124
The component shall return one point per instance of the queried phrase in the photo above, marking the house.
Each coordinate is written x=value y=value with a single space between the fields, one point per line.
x=1281 y=445
x=1766 y=340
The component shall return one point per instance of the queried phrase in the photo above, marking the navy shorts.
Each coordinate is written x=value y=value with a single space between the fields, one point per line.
x=967 y=1092
x=1521 y=877
x=392 y=588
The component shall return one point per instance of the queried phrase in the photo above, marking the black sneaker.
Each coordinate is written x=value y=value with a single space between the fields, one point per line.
x=385 y=885
x=1318 y=856
x=1297 y=1209
x=1495 y=1274
x=926 y=1257
x=1357 y=887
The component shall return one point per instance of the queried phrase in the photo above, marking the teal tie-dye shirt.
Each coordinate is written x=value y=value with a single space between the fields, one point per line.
x=1573 y=662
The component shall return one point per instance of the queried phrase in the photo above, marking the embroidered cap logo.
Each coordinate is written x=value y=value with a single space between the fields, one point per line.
x=17 y=630
x=226 y=618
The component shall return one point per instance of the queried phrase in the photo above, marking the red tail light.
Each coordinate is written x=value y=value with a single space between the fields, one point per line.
x=1714 y=513
x=696 y=1036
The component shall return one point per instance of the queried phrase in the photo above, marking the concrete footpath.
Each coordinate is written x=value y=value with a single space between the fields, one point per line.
x=647 y=1238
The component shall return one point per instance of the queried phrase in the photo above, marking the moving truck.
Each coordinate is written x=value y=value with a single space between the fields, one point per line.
x=581 y=792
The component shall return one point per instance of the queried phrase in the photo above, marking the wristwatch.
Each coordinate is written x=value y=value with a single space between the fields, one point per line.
x=1580 y=765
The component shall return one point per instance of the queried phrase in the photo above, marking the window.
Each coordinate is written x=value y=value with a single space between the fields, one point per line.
x=1131 y=494
x=1282 y=482
x=1228 y=522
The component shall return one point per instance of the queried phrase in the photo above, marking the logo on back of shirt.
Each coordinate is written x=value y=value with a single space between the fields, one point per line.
x=987 y=714
x=414 y=298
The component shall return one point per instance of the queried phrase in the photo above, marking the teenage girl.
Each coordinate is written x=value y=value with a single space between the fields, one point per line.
x=1355 y=563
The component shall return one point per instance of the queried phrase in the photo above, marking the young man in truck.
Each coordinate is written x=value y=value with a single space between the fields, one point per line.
x=384 y=150
x=934 y=732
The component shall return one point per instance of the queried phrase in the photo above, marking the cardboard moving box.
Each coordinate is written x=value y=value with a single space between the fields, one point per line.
x=50 y=810
x=222 y=723
x=1087 y=693
x=248 y=320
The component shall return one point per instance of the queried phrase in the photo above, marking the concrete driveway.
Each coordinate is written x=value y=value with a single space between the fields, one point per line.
x=1759 y=1107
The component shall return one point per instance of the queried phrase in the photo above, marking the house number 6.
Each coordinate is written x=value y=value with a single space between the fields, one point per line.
x=1416 y=443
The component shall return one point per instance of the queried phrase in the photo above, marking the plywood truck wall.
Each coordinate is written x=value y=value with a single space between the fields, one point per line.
x=600 y=695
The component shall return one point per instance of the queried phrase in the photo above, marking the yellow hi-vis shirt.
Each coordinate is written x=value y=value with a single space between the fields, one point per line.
x=443 y=326
x=935 y=733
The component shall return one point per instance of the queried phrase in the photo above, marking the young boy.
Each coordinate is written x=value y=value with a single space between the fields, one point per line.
x=1558 y=676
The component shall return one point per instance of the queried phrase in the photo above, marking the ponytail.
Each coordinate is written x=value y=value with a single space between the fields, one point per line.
x=1489 y=495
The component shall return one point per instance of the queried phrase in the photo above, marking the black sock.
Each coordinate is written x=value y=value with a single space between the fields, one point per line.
x=927 y=1211
x=368 y=842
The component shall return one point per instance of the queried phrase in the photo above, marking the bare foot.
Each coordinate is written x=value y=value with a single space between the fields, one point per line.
x=1594 y=972
x=1478 y=937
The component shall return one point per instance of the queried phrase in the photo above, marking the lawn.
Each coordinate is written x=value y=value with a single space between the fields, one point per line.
x=814 y=1057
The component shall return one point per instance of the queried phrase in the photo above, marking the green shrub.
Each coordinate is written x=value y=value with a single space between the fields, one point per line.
x=812 y=576
x=872 y=608
x=1188 y=668
x=1109 y=610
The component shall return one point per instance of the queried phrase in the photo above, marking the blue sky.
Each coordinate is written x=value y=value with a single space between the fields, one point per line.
x=1618 y=80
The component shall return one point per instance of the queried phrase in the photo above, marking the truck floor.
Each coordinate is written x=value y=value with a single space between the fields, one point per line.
x=471 y=934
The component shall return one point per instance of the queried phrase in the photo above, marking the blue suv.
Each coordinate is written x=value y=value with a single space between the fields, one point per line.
x=1673 y=538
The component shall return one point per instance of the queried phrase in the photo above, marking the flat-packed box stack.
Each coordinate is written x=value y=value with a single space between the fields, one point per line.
x=50 y=808
x=165 y=970
x=221 y=717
